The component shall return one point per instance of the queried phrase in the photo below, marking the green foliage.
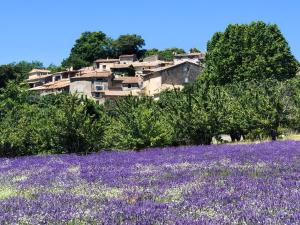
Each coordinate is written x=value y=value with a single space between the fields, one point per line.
x=94 y=45
x=17 y=71
x=150 y=52
x=249 y=52
x=54 y=69
x=188 y=117
x=249 y=89
x=52 y=124
x=89 y=47
x=167 y=54
x=137 y=124
x=194 y=50
x=129 y=44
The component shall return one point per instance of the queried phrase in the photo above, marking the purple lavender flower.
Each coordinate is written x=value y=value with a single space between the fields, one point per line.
x=242 y=184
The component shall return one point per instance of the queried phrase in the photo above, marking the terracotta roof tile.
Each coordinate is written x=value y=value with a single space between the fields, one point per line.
x=40 y=71
x=131 y=80
x=106 y=60
x=52 y=85
x=94 y=75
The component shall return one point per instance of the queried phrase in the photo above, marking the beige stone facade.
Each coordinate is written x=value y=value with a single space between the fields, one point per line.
x=113 y=78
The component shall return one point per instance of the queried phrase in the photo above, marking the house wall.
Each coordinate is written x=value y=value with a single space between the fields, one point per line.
x=104 y=84
x=133 y=87
x=152 y=85
x=81 y=87
x=181 y=74
x=127 y=59
x=152 y=58
x=104 y=66
x=185 y=59
x=177 y=75
x=56 y=91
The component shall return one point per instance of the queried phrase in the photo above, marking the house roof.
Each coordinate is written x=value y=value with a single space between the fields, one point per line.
x=52 y=85
x=106 y=60
x=119 y=93
x=189 y=54
x=169 y=67
x=150 y=64
x=120 y=66
x=65 y=72
x=120 y=79
x=132 y=55
x=131 y=80
x=37 y=77
x=94 y=74
x=141 y=64
x=40 y=71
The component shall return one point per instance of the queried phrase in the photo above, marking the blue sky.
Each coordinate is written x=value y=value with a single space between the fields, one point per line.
x=45 y=30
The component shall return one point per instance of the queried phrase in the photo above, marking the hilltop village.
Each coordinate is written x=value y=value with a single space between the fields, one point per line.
x=114 y=78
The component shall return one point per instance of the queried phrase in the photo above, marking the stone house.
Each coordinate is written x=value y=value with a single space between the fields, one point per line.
x=91 y=85
x=152 y=58
x=113 y=78
x=53 y=87
x=105 y=64
x=190 y=57
x=127 y=59
x=51 y=83
x=38 y=77
x=131 y=83
x=168 y=77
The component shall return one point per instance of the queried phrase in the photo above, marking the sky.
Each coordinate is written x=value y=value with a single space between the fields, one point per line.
x=46 y=30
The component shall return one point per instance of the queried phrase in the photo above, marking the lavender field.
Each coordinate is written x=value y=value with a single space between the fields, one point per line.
x=229 y=184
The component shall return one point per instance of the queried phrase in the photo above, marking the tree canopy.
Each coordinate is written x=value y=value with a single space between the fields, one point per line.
x=17 y=71
x=129 y=44
x=89 y=47
x=94 y=45
x=249 y=52
x=194 y=50
x=166 y=54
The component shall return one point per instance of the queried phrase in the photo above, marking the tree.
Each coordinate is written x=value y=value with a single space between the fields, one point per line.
x=89 y=47
x=17 y=71
x=54 y=68
x=129 y=44
x=136 y=123
x=246 y=52
x=168 y=53
x=194 y=50
x=150 y=52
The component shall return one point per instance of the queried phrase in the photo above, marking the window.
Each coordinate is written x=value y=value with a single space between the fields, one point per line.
x=99 y=88
x=102 y=80
x=97 y=95
x=104 y=67
x=129 y=86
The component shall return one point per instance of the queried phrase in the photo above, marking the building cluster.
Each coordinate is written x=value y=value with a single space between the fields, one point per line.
x=113 y=78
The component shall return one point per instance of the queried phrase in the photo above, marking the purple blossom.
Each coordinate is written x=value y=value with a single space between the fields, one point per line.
x=242 y=184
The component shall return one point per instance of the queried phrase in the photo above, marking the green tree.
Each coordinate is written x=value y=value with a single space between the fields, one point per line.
x=253 y=51
x=129 y=44
x=54 y=68
x=194 y=50
x=168 y=53
x=150 y=52
x=89 y=47
x=17 y=71
x=136 y=124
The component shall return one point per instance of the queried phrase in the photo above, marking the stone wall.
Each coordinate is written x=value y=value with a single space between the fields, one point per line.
x=81 y=87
